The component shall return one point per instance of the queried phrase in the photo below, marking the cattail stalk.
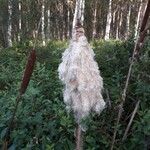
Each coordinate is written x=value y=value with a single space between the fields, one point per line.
x=24 y=84
x=79 y=138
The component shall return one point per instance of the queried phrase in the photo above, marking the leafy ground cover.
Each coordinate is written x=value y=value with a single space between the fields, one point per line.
x=42 y=121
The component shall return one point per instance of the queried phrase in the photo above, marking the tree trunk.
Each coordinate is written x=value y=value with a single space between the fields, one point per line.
x=117 y=26
x=109 y=18
x=119 y=19
x=19 y=34
x=68 y=19
x=82 y=10
x=48 y=23
x=43 y=23
x=9 y=29
x=75 y=14
x=114 y=23
x=120 y=25
x=128 y=22
x=79 y=12
x=138 y=20
x=94 y=21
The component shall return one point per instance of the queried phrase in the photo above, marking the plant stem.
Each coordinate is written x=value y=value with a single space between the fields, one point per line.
x=10 y=125
x=131 y=120
x=79 y=138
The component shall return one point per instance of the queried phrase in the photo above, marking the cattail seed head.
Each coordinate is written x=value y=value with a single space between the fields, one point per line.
x=79 y=72
x=28 y=72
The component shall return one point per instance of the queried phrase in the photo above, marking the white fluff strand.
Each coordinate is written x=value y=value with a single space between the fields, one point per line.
x=80 y=75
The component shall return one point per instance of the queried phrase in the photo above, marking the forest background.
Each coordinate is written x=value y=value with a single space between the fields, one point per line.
x=41 y=121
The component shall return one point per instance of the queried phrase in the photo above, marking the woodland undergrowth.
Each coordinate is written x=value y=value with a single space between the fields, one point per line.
x=42 y=122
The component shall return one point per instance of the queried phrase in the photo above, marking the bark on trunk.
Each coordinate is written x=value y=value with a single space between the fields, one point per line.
x=9 y=29
x=43 y=23
x=48 y=23
x=138 y=20
x=94 y=21
x=109 y=18
x=128 y=22
x=117 y=26
x=79 y=12
x=19 y=34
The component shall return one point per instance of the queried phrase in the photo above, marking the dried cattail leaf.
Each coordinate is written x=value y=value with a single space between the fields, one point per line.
x=28 y=72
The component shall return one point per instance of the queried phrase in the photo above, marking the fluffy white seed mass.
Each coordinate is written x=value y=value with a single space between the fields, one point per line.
x=80 y=75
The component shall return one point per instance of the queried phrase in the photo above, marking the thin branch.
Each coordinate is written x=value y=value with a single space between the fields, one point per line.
x=131 y=120
x=116 y=128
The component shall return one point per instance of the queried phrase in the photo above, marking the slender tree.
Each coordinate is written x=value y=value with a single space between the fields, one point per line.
x=48 y=22
x=82 y=7
x=79 y=12
x=43 y=22
x=120 y=24
x=9 y=29
x=128 y=21
x=115 y=19
x=94 y=20
x=19 y=25
x=117 y=25
x=108 y=23
x=68 y=18
x=138 y=19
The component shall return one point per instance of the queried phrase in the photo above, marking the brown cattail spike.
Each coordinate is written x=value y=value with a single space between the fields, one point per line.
x=28 y=72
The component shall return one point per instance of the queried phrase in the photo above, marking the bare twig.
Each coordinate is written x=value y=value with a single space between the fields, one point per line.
x=131 y=120
x=116 y=128
x=137 y=47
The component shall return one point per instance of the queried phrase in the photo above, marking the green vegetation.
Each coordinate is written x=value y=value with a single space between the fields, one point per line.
x=42 y=121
